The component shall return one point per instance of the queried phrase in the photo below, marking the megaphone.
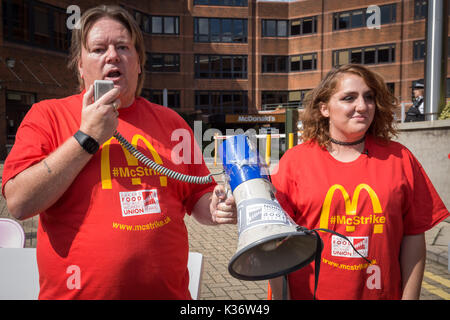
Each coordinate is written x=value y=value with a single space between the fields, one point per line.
x=270 y=243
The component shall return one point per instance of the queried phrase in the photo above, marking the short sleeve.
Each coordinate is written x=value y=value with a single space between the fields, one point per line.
x=425 y=208
x=32 y=144
x=281 y=180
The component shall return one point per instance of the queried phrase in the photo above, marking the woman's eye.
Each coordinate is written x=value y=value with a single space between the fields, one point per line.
x=348 y=98
x=97 y=50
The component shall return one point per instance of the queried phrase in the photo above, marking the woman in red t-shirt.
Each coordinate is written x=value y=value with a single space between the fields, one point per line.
x=348 y=176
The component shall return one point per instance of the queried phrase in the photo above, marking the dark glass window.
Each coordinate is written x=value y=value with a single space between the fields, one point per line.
x=157 y=24
x=356 y=56
x=275 y=28
x=157 y=96
x=221 y=102
x=384 y=54
x=220 y=30
x=36 y=24
x=272 y=99
x=420 y=9
x=365 y=55
x=216 y=66
x=275 y=64
x=295 y=27
x=284 y=28
x=163 y=62
x=231 y=3
x=309 y=25
x=358 y=18
x=419 y=50
x=285 y=64
x=295 y=63
x=369 y=56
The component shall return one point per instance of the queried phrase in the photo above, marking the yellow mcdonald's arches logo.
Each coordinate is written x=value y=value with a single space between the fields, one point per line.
x=131 y=161
x=350 y=209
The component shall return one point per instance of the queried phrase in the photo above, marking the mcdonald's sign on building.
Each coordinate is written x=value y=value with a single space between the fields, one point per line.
x=133 y=171
x=351 y=220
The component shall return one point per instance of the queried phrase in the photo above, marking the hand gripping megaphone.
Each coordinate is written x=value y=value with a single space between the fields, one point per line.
x=270 y=243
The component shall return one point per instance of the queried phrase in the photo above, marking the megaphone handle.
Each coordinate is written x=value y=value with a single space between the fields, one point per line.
x=285 y=287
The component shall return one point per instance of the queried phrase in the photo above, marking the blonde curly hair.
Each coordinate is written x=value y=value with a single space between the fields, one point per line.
x=316 y=126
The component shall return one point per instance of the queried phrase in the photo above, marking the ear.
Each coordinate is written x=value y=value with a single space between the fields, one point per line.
x=323 y=107
x=80 y=68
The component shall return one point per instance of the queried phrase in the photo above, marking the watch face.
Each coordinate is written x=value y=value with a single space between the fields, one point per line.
x=88 y=143
x=91 y=145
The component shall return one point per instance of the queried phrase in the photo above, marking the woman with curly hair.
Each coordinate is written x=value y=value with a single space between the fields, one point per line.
x=350 y=177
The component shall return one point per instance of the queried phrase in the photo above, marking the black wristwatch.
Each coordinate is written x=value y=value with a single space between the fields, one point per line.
x=87 y=142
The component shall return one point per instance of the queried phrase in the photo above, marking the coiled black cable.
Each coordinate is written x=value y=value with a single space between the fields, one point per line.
x=159 y=168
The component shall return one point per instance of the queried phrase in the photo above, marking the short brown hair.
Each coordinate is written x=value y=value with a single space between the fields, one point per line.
x=79 y=37
x=316 y=126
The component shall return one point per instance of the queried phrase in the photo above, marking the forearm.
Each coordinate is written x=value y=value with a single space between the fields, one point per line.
x=40 y=186
x=412 y=260
x=201 y=211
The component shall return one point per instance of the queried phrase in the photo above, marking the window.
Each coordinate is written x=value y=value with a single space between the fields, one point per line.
x=157 y=24
x=274 y=63
x=284 y=64
x=365 y=55
x=275 y=98
x=221 y=102
x=220 y=30
x=163 y=62
x=296 y=27
x=369 y=55
x=388 y=14
x=295 y=63
x=231 y=3
x=384 y=54
x=419 y=50
x=285 y=28
x=358 y=18
x=157 y=96
x=217 y=66
x=35 y=23
x=309 y=25
x=420 y=9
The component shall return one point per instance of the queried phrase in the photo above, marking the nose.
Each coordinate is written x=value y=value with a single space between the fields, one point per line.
x=361 y=104
x=111 y=55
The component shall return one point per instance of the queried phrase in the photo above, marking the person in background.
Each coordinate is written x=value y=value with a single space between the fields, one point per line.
x=417 y=110
x=350 y=177
x=109 y=228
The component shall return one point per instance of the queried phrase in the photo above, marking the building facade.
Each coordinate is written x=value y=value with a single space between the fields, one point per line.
x=216 y=59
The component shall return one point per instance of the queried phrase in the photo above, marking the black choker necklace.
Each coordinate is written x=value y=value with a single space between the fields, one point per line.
x=342 y=143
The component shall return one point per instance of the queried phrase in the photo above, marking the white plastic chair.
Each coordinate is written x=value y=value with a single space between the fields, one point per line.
x=195 y=267
x=11 y=234
x=19 y=275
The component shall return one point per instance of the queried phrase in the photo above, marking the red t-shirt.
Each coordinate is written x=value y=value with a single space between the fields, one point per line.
x=118 y=231
x=375 y=201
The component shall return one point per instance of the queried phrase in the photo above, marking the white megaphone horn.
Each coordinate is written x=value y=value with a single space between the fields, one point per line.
x=270 y=243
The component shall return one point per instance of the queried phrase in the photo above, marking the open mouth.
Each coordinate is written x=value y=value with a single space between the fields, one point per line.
x=113 y=75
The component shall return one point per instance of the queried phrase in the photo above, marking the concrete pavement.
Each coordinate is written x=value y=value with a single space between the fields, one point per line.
x=218 y=244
